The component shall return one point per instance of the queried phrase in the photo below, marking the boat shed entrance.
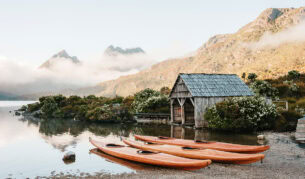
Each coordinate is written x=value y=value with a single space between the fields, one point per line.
x=193 y=93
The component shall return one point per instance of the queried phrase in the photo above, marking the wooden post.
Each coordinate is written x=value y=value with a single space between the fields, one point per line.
x=182 y=111
x=172 y=110
x=182 y=132
x=172 y=131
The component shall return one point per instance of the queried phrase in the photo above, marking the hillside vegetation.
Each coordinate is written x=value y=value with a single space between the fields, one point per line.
x=270 y=46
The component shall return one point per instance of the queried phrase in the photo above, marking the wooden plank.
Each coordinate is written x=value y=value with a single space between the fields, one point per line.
x=172 y=110
x=192 y=100
x=182 y=115
x=182 y=101
x=179 y=101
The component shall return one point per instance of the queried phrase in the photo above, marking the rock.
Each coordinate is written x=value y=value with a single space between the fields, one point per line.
x=17 y=113
x=69 y=157
x=260 y=137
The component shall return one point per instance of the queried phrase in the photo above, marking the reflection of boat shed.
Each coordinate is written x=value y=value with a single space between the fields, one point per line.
x=193 y=93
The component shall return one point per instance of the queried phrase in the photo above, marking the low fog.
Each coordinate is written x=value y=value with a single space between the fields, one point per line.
x=292 y=34
x=22 y=79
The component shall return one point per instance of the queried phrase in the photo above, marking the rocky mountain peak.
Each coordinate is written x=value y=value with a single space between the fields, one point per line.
x=62 y=55
x=115 y=51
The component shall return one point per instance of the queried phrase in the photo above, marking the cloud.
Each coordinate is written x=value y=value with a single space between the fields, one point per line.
x=20 y=79
x=292 y=34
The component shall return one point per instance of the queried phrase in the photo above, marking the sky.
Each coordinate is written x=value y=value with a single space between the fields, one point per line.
x=31 y=31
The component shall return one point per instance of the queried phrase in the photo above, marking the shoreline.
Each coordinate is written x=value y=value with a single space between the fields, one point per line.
x=284 y=159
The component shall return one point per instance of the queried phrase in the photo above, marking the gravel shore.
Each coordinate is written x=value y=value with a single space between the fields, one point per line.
x=285 y=159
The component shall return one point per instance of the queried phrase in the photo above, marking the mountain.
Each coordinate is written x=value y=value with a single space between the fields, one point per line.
x=270 y=46
x=10 y=97
x=115 y=51
x=59 y=57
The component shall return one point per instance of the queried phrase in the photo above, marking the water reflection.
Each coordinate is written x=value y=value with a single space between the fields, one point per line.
x=44 y=142
x=69 y=128
x=126 y=163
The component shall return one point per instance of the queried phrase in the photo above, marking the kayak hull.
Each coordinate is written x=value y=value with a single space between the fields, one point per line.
x=152 y=158
x=205 y=145
x=194 y=153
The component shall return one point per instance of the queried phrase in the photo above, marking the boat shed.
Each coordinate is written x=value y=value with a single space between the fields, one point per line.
x=193 y=93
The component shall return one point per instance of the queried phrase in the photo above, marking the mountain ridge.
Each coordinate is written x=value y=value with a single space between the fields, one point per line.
x=58 y=57
x=227 y=53
x=115 y=51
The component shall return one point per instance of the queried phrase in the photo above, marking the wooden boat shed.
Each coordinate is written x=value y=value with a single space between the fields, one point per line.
x=193 y=93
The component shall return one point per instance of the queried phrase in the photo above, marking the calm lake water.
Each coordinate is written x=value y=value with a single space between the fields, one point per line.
x=30 y=148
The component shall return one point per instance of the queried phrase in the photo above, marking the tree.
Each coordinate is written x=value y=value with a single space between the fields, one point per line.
x=294 y=75
x=165 y=90
x=252 y=77
x=244 y=76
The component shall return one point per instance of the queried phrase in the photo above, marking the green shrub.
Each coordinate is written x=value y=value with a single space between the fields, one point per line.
x=34 y=107
x=23 y=108
x=241 y=114
x=252 y=77
x=287 y=121
x=155 y=104
x=283 y=90
x=264 y=88
x=294 y=75
x=149 y=100
x=102 y=113
x=49 y=107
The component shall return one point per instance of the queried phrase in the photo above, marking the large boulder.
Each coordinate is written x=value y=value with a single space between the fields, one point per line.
x=69 y=157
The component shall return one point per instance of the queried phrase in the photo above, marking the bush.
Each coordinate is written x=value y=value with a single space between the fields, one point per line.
x=148 y=98
x=102 y=113
x=287 y=121
x=23 y=108
x=241 y=114
x=155 y=104
x=294 y=75
x=34 y=107
x=263 y=88
x=49 y=107
x=252 y=77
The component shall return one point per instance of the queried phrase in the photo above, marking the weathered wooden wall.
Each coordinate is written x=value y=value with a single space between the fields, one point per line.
x=201 y=104
x=180 y=90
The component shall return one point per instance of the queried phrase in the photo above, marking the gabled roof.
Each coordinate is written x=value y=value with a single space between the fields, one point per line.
x=215 y=85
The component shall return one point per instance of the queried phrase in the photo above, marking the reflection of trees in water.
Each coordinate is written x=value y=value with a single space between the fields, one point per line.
x=152 y=129
x=50 y=127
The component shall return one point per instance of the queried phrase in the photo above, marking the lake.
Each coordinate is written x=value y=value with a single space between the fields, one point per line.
x=31 y=147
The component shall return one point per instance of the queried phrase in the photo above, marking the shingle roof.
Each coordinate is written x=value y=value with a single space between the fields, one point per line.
x=215 y=85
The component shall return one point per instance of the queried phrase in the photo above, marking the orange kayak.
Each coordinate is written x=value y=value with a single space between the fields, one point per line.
x=195 y=153
x=126 y=163
x=149 y=157
x=205 y=144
